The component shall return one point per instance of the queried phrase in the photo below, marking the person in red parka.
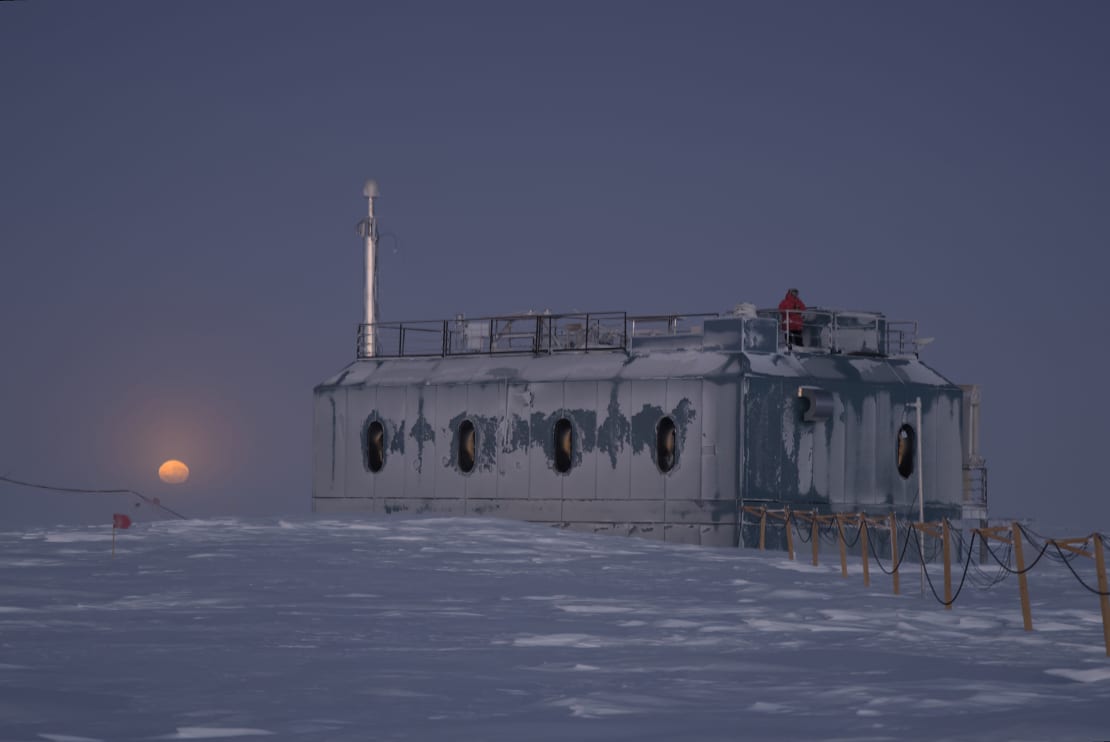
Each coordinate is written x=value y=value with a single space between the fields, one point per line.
x=790 y=310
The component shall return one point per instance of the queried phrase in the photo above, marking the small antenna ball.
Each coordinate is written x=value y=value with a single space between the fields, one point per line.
x=370 y=190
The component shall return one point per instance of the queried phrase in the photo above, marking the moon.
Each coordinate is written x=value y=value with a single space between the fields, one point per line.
x=173 y=472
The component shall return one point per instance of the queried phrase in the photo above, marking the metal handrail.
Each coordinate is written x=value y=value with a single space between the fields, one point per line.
x=904 y=339
x=829 y=328
x=673 y=321
x=519 y=333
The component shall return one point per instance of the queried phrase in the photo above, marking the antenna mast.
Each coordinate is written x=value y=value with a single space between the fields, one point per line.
x=368 y=230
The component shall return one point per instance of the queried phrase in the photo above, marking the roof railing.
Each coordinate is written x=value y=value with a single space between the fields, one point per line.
x=668 y=325
x=843 y=331
x=521 y=333
x=811 y=330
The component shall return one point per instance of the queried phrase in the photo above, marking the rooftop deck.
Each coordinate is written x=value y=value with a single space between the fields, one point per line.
x=823 y=331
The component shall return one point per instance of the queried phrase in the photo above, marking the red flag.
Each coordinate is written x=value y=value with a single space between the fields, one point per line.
x=119 y=520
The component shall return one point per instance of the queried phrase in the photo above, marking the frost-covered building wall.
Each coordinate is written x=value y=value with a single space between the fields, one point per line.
x=661 y=426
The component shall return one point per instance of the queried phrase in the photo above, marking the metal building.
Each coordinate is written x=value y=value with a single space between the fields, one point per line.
x=663 y=426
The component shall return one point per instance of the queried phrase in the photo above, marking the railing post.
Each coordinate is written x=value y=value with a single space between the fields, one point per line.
x=1104 y=601
x=840 y=543
x=947 y=568
x=762 y=527
x=865 y=551
x=446 y=338
x=1023 y=584
x=894 y=550
x=815 y=535
x=789 y=534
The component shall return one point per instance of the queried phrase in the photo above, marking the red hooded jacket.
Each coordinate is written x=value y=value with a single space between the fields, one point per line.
x=791 y=309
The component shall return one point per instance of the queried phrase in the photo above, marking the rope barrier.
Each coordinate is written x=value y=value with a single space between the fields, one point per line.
x=1076 y=574
x=832 y=526
x=74 y=490
x=901 y=557
x=959 y=589
x=797 y=530
x=1017 y=571
x=852 y=544
x=991 y=581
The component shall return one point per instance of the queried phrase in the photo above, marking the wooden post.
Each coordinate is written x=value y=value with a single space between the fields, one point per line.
x=1023 y=584
x=762 y=527
x=894 y=550
x=789 y=535
x=865 y=551
x=840 y=542
x=947 y=568
x=814 y=536
x=1100 y=567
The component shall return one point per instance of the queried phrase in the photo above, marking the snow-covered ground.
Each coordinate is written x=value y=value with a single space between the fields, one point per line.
x=463 y=629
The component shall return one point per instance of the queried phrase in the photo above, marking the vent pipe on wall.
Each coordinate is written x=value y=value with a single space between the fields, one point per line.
x=368 y=230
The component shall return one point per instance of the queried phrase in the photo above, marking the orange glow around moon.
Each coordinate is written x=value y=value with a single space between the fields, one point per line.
x=173 y=472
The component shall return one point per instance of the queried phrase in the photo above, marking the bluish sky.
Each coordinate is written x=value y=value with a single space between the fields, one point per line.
x=179 y=185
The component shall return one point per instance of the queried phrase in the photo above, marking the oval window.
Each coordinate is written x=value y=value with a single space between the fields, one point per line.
x=665 y=444
x=907 y=449
x=466 y=446
x=375 y=446
x=564 y=445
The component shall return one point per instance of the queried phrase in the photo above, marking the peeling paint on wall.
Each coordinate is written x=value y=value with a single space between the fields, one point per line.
x=516 y=434
x=397 y=442
x=643 y=428
x=423 y=433
x=683 y=415
x=615 y=432
x=585 y=425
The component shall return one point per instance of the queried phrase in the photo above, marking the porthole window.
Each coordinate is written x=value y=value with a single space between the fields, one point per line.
x=375 y=446
x=665 y=444
x=907 y=450
x=564 y=445
x=466 y=446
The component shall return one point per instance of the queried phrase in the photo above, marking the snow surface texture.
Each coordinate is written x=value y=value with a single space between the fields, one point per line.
x=409 y=629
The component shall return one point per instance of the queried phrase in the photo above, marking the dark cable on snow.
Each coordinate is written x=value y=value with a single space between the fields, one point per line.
x=140 y=495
